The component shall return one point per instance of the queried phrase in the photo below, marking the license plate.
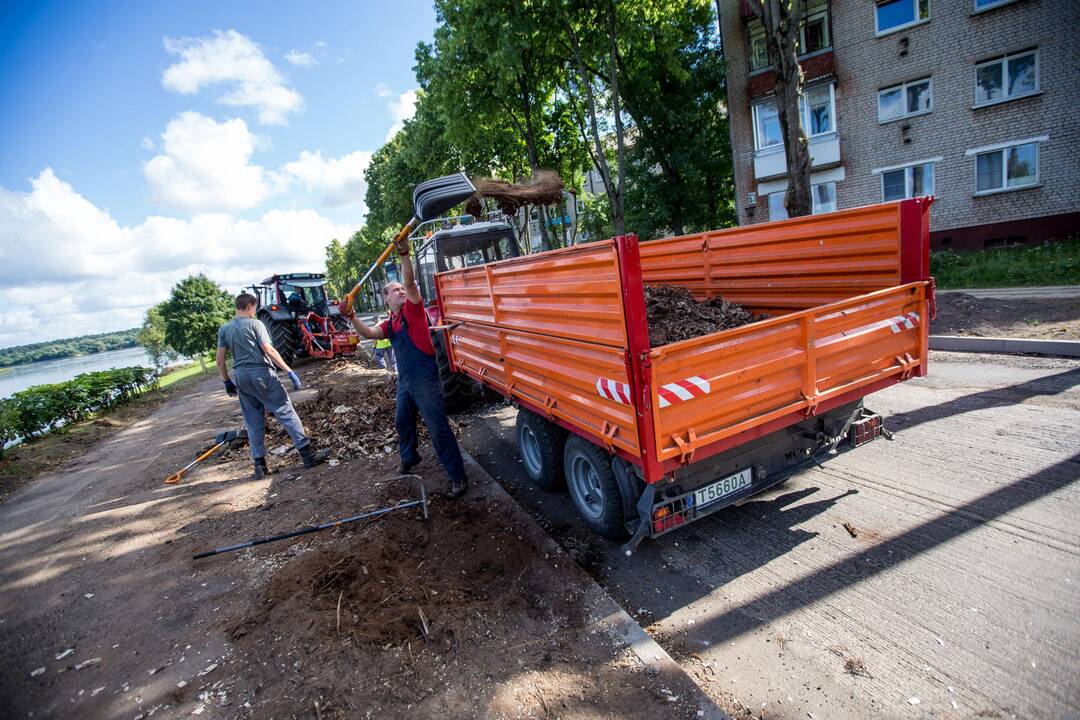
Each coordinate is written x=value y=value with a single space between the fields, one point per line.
x=722 y=488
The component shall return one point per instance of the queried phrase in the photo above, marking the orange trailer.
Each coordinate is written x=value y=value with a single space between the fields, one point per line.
x=651 y=438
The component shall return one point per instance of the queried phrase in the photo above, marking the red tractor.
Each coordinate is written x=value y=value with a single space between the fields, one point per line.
x=302 y=321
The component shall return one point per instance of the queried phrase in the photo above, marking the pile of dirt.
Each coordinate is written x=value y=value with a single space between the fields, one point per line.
x=673 y=315
x=353 y=414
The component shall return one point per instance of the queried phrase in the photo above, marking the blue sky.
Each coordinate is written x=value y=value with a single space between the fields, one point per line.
x=147 y=140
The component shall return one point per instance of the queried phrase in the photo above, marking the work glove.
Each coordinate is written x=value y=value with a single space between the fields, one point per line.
x=402 y=246
x=230 y=387
x=295 y=380
x=345 y=307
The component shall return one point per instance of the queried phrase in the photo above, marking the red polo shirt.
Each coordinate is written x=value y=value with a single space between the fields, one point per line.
x=417 y=322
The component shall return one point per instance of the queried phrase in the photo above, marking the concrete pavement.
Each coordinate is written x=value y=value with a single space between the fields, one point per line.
x=1047 y=292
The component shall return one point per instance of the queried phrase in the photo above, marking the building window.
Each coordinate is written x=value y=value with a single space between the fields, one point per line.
x=990 y=4
x=907 y=182
x=904 y=100
x=1007 y=78
x=813 y=35
x=823 y=196
x=1006 y=168
x=892 y=15
x=817 y=105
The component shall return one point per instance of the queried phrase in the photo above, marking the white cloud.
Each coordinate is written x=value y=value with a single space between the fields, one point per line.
x=205 y=166
x=148 y=144
x=68 y=268
x=232 y=59
x=402 y=108
x=339 y=181
x=301 y=59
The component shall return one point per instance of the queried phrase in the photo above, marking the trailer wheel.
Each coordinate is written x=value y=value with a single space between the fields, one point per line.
x=283 y=333
x=594 y=488
x=457 y=388
x=540 y=446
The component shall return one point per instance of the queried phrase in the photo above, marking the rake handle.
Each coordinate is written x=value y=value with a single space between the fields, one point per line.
x=350 y=298
x=175 y=477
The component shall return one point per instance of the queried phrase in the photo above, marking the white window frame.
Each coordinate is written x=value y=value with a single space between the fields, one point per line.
x=1004 y=62
x=903 y=89
x=1003 y=147
x=813 y=199
x=991 y=6
x=908 y=177
x=804 y=114
x=757 y=27
x=878 y=32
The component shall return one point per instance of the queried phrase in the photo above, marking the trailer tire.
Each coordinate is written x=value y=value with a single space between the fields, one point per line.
x=283 y=333
x=457 y=388
x=594 y=488
x=540 y=445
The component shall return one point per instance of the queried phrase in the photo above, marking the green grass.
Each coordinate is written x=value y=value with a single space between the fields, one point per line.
x=180 y=373
x=1051 y=264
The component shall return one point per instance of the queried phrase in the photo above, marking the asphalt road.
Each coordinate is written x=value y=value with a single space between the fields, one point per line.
x=958 y=596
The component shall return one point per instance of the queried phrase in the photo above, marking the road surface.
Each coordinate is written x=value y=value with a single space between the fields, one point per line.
x=957 y=598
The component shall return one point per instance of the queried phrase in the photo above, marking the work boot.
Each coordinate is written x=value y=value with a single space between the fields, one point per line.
x=261 y=470
x=403 y=467
x=458 y=486
x=313 y=457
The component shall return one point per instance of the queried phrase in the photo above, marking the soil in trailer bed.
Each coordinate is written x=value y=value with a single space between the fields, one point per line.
x=673 y=315
x=103 y=612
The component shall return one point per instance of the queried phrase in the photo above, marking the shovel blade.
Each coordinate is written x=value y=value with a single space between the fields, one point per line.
x=432 y=198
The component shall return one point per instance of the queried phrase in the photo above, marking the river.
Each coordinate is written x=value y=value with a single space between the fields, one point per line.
x=20 y=377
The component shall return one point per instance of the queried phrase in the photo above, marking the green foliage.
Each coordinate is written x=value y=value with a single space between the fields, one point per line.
x=152 y=337
x=41 y=408
x=1050 y=264
x=69 y=347
x=594 y=220
x=193 y=313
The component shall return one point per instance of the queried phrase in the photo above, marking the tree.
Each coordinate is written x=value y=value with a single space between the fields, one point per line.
x=781 y=19
x=195 y=310
x=152 y=337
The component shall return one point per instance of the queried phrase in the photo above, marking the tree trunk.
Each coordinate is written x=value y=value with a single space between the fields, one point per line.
x=202 y=361
x=618 y=214
x=530 y=147
x=781 y=31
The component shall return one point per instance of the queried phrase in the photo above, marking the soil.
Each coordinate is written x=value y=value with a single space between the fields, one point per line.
x=1046 y=319
x=456 y=616
x=673 y=315
x=545 y=187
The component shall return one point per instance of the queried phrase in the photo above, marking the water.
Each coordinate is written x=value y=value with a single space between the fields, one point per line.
x=20 y=377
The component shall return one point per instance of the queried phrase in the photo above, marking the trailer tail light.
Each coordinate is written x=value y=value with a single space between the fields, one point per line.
x=671 y=515
x=864 y=430
x=273 y=307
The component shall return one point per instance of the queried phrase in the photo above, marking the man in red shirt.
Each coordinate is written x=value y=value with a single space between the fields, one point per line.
x=418 y=385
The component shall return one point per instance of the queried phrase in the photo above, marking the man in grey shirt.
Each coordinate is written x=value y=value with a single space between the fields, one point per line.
x=260 y=391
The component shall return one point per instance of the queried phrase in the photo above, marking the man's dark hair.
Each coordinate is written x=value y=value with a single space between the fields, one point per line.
x=245 y=300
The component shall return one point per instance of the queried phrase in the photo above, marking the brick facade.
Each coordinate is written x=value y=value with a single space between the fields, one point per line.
x=946 y=48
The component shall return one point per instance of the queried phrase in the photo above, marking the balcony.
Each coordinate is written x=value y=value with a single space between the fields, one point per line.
x=824 y=153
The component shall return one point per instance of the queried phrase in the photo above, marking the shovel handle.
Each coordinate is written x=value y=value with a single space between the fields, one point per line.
x=350 y=298
x=175 y=477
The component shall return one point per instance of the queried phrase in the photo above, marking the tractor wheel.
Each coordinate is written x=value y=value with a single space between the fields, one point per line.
x=457 y=388
x=283 y=333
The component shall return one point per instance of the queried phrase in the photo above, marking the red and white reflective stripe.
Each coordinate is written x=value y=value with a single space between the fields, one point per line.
x=900 y=322
x=617 y=391
x=682 y=390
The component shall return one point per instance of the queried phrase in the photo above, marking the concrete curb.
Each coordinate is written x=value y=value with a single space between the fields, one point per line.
x=1013 y=346
x=604 y=613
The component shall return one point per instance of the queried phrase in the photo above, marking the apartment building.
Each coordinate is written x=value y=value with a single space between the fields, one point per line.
x=971 y=101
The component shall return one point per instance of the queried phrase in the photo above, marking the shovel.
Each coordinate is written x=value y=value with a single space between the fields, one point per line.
x=222 y=438
x=431 y=199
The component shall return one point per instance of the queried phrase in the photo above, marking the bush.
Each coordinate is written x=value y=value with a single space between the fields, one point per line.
x=42 y=408
x=1050 y=264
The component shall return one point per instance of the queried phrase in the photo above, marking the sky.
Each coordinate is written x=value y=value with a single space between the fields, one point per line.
x=145 y=141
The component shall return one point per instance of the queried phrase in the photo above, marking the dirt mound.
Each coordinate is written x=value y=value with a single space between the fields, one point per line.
x=673 y=315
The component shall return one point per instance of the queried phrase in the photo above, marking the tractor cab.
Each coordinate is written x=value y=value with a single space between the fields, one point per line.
x=462 y=246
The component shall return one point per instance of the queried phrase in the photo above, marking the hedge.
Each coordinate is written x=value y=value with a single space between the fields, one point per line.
x=42 y=408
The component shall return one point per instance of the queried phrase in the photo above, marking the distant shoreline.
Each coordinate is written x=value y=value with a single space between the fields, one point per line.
x=67 y=348
x=4 y=367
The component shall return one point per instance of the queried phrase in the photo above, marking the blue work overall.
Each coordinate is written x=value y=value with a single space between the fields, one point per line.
x=419 y=389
